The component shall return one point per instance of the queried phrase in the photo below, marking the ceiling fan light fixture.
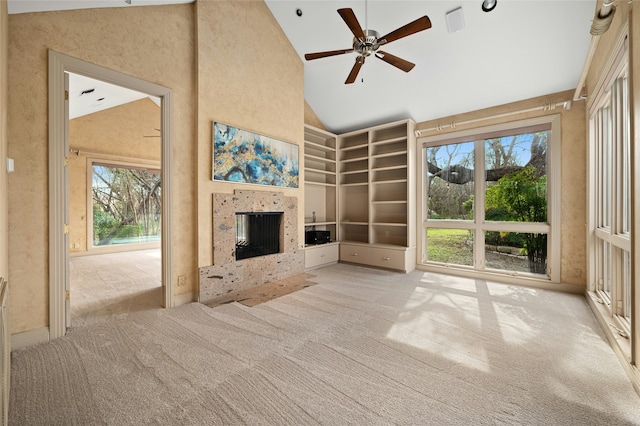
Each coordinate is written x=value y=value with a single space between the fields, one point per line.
x=489 y=5
x=369 y=45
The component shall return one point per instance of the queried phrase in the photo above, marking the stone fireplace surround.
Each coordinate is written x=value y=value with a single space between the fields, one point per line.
x=227 y=274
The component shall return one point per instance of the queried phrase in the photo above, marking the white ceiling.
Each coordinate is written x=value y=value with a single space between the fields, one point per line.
x=522 y=49
x=87 y=96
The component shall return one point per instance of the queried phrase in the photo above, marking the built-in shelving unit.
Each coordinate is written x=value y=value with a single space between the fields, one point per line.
x=360 y=186
x=353 y=151
x=376 y=220
x=320 y=193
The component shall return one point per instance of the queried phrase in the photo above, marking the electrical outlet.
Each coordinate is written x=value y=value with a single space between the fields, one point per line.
x=181 y=280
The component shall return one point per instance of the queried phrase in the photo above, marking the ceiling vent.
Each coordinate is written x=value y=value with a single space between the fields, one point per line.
x=455 y=20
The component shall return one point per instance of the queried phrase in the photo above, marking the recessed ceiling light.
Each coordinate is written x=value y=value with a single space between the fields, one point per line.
x=489 y=5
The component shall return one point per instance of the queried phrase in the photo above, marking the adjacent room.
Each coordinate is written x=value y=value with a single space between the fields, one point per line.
x=114 y=201
x=319 y=212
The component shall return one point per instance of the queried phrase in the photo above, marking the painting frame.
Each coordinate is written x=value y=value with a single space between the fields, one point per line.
x=244 y=156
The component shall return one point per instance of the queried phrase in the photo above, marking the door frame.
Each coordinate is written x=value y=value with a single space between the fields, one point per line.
x=59 y=183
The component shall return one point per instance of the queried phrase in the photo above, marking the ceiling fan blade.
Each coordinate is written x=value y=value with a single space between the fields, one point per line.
x=420 y=24
x=318 y=55
x=355 y=70
x=404 y=65
x=352 y=22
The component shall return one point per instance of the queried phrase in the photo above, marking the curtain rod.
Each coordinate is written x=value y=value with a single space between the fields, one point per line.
x=566 y=105
x=600 y=25
x=113 y=157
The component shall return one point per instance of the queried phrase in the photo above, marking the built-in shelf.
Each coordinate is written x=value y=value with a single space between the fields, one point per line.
x=376 y=190
x=320 y=190
x=360 y=186
x=310 y=183
x=326 y=172
x=319 y=223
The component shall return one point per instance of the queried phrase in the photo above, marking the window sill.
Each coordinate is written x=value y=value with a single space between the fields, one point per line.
x=621 y=345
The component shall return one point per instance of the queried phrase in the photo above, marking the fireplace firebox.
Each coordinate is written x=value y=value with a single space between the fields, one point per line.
x=257 y=234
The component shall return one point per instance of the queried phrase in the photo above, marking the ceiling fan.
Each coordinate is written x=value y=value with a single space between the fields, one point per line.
x=367 y=42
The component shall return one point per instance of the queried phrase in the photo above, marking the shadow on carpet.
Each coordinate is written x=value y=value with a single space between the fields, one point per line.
x=265 y=292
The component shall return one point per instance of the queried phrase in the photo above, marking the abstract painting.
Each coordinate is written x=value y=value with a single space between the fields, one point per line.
x=242 y=156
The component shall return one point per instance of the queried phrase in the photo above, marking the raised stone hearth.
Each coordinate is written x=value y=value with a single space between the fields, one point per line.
x=227 y=274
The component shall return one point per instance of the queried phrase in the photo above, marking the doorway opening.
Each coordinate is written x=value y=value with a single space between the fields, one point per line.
x=115 y=200
x=60 y=157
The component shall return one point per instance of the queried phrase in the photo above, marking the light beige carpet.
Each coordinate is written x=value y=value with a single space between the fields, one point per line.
x=362 y=347
x=111 y=286
x=265 y=292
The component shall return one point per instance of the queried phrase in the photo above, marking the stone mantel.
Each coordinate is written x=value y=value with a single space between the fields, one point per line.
x=228 y=274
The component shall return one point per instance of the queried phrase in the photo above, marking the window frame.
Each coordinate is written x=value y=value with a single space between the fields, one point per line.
x=552 y=228
x=609 y=281
x=117 y=163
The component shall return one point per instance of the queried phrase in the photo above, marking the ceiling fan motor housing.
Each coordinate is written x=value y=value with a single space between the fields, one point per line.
x=367 y=46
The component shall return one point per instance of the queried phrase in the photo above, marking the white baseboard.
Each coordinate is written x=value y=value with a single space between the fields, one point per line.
x=183 y=299
x=40 y=335
x=29 y=338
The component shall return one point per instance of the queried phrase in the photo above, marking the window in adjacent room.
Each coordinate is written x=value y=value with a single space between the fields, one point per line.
x=126 y=204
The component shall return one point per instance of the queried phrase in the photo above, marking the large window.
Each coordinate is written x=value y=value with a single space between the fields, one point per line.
x=610 y=211
x=487 y=204
x=126 y=204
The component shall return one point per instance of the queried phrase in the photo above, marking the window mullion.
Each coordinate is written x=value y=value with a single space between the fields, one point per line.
x=617 y=135
x=479 y=219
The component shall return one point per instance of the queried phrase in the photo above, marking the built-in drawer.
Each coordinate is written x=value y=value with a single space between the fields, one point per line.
x=319 y=255
x=354 y=253
x=387 y=258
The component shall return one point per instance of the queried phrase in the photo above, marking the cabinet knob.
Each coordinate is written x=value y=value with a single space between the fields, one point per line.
x=354 y=254
x=386 y=258
x=322 y=255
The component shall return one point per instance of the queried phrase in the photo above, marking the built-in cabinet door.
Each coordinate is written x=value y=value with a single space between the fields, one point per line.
x=315 y=256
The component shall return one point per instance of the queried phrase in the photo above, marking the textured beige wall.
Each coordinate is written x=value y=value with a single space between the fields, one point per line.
x=154 y=43
x=4 y=224
x=249 y=76
x=573 y=248
x=574 y=146
x=119 y=132
x=311 y=118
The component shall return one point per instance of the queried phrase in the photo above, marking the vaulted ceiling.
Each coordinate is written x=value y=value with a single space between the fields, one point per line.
x=521 y=49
